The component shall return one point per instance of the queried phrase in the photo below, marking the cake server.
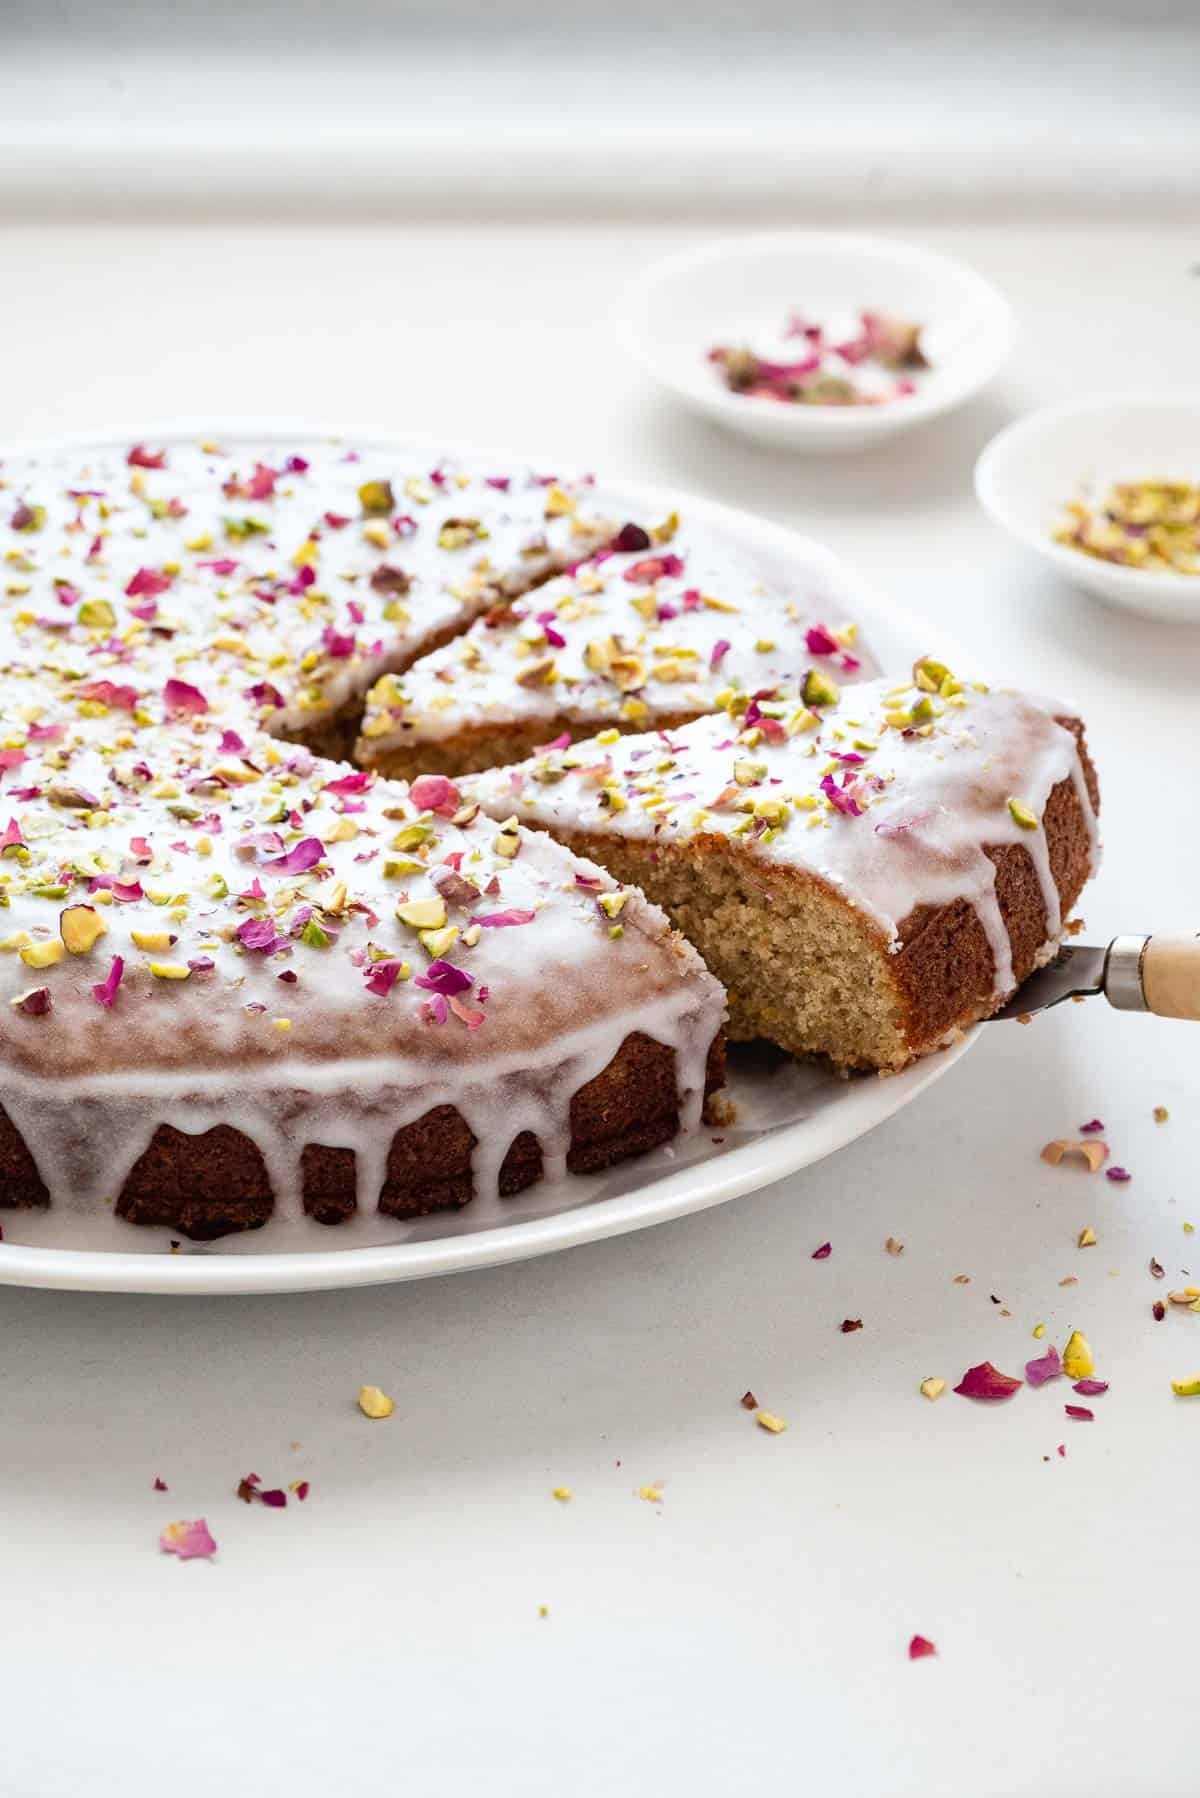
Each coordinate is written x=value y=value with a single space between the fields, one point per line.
x=1135 y=973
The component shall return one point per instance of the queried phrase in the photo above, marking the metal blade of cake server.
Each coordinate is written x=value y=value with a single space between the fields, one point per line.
x=1077 y=972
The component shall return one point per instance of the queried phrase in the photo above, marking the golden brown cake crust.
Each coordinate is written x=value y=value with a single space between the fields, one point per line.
x=944 y=969
x=215 y=1184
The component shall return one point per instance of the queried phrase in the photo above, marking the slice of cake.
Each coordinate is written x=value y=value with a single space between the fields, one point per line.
x=236 y=981
x=866 y=873
x=648 y=638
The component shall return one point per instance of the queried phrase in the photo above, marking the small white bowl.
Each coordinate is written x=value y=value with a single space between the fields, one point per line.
x=741 y=290
x=1027 y=475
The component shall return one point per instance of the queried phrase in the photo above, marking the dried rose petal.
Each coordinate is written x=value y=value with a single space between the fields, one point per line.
x=1119 y=1174
x=1090 y=1388
x=920 y=1648
x=1045 y=1367
x=443 y=977
x=105 y=991
x=850 y=1323
x=987 y=1382
x=823 y=1253
x=434 y=793
x=306 y=854
x=182 y=699
x=1091 y=1128
x=188 y=1540
x=1080 y=1413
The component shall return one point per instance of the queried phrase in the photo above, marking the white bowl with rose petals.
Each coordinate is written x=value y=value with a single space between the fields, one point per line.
x=818 y=312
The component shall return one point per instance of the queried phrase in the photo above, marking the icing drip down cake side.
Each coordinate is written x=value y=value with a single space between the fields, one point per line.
x=865 y=876
x=243 y=977
x=238 y=981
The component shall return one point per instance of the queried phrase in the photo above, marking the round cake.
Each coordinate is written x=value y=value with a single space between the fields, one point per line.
x=245 y=977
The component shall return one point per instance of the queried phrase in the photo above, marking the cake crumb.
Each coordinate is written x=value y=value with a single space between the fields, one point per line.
x=563 y=1494
x=767 y=1420
x=748 y=1401
x=932 y=1388
x=893 y=1246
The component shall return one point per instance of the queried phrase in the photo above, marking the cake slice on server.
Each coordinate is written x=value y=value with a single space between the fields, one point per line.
x=646 y=636
x=866 y=877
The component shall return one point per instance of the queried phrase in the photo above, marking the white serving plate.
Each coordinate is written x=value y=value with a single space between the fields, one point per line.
x=740 y=289
x=1027 y=474
x=788 y=1118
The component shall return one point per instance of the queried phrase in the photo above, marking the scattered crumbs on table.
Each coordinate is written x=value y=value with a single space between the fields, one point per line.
x=767 y=1420
x=188 y=1540
x=1095 y=1153
x=160 y=1485
x=1069 y=1280
x=920 y=1648
x=1189 y=1229
x=563 y=1494
x=932 y=1388
x=543 y=1610
x=987 y=1382
x=748 y=1402
x=850 y=1323
x=1086 y=1238
x=652 y=1494
x=1039 y=1330
x=1161 y=1114
x=1156 y=1268
x=893 y=1246
x=251 y=1490
x=962 y=1279
x=373 y=1402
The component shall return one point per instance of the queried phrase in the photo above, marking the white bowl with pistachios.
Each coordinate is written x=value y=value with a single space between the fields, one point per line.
x=1107 y=491
x=815 y=340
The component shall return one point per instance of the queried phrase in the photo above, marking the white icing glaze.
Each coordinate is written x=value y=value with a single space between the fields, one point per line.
x=891 y=809
x=251 y=892
x=629 y=639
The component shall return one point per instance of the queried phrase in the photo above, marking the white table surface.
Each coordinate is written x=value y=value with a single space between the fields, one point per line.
x=749 y=1633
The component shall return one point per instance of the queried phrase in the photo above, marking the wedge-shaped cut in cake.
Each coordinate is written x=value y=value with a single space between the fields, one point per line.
x=866 y=876
x=239 y=982
x=648 y=638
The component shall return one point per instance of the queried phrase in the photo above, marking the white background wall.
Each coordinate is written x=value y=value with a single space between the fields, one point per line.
x=555 y=103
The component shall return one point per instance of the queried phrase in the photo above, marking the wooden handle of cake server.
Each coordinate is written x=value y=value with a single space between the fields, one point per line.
x=1170 y=971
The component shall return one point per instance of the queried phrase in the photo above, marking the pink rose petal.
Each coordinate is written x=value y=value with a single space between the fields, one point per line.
x=188 y=1541
x=987 y=1382
x=1046 y=1367
x=105 y=991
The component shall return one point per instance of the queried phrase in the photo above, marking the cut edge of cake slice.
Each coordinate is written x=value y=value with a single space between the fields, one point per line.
x=865 y=879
